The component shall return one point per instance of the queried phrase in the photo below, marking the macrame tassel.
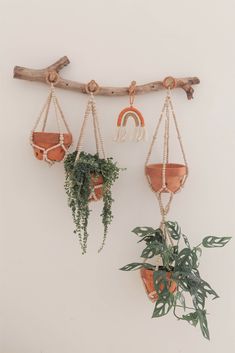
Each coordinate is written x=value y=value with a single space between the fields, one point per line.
x=139 y=134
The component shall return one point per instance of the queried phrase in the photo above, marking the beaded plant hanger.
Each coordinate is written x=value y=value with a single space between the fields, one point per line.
x=91 y=88
x=96 y=181
x=51 y=147
x=130 y=112
x=166 y=177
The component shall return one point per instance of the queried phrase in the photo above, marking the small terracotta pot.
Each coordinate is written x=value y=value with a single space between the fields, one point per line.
x=97 y=183
x=147 y=278
x=47 y=140
x=175 y=174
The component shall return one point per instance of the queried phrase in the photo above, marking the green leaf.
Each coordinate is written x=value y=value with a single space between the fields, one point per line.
x=174 y=230
x=198 y=252
x=187 y=279
x=192 y=318
x=199 y=298
x=160 y=282
x=186 y=260
x=207 y=288
x=148 y=252
x=137 y=265
x=186 y=240
x=152 y=249
x=143 y=231
x=163 y=305
x=203 y=323
x=215 y=242
x=179 y=297
x=169 y=255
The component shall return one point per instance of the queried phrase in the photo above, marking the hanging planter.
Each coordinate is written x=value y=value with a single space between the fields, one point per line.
x=174 y=176
x=55 y=144
x=170 y=267
x=147 y=276
x=166 y=177
x=175 y=276
x=90 y=178
x=51 y=147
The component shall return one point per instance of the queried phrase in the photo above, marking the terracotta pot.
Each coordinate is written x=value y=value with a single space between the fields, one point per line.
x=47 y=140
x=175 y=174
x=97 y=183
x=147 y=277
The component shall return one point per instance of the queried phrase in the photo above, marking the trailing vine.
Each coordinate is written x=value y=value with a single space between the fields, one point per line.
x=79 y=187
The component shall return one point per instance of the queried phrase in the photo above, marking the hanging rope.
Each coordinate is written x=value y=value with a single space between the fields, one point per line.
x=60 y=120
x=91 y=109
x=166 y=114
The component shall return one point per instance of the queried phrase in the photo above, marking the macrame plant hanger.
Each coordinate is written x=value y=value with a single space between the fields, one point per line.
x=166 y=177
x=51 y=147
x=92 y=87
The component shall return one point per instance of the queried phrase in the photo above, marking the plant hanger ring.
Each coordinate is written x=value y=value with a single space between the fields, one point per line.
x=51 y=147
x=166 y=177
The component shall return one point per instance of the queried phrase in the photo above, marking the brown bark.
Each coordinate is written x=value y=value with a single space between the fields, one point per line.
x=42 y=74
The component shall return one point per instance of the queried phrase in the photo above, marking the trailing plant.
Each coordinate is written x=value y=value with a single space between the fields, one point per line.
x=183 y=265
x=79 y=186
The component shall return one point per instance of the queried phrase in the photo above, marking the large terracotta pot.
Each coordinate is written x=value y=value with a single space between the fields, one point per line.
x=175 y=174
x=47 y=140
x=97 y=183
x=147 y=277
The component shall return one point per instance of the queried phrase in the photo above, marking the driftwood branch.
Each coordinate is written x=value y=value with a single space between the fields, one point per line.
x=42 y=75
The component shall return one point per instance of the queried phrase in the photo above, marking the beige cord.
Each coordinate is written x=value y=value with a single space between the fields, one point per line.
x=167 y=112
x=43 y=117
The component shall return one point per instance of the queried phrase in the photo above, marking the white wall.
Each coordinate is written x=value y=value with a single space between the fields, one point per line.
x=53 y=300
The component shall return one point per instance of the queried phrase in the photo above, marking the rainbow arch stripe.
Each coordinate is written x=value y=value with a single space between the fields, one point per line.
x=139 y=130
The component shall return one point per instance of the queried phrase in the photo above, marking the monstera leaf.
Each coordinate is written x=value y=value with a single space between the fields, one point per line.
x=198 y=316
x=152 y=249
x=179 y=297
x=203 y=323
x=215 y=242
x=185 y=240
x=137 y=266
x=160 y=282
x=186 y=260
x=192 y=318
x=174 y=230
x=143 y=231
x=163 y=305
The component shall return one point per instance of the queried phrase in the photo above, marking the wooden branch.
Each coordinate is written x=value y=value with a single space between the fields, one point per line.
x=42 y=75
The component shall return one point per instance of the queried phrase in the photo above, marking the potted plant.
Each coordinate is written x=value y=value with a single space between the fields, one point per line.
x=51 y=146
x=55 y=145
x=89 y=178
x=178 y=276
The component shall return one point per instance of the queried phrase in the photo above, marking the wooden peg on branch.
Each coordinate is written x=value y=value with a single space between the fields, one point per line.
x=41 y=75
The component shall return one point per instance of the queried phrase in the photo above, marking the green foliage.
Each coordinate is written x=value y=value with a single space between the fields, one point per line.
x=183 y=264
x=138 y=266
x=215 y=242
x=78 y=187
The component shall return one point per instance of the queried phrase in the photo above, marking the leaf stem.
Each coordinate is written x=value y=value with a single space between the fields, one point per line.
x=186 y=307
